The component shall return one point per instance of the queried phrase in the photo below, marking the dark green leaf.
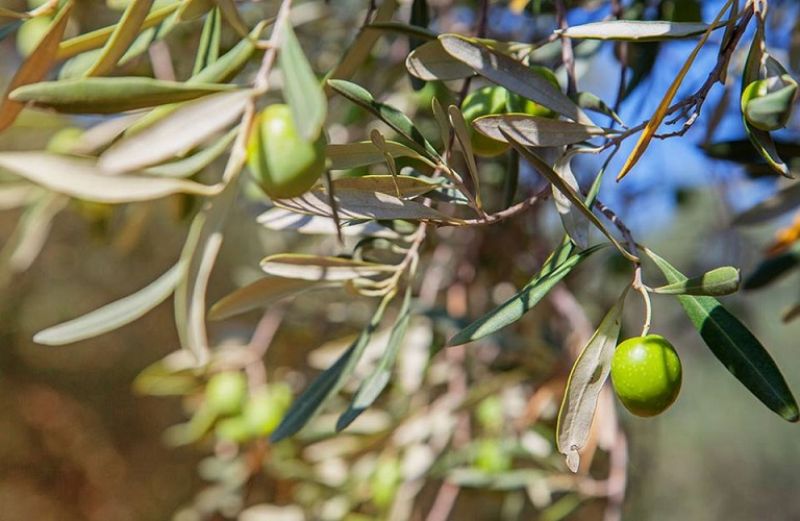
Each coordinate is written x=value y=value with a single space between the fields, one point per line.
x=735 y=346
x=301 y=88
x=772 y=269
x=328 y=383
x=551 y=273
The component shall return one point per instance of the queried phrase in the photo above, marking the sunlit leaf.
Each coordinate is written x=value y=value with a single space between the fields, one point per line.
x=114 y=315
x=353 y=155
x=193 y=164
x=635 y=30
x=262 y=293
x=536 y=131
x=386 y=184
x=177 y=133
x=586 y=380
x=511 y=74
x=735 y=346
x=430 y=62
x=313 y=267
x=81 y=178
x=280 y=219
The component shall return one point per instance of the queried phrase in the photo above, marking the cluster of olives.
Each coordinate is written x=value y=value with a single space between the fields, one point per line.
x=493 y=100
x=242 y=416
x=646 y=374
x=282 y=162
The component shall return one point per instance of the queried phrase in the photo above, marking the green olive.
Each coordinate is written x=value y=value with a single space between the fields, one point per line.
x=484 y=102
x=519 y=104
x=385 y=480
x=226 y=391
x=30 y=33
x=491 y=457
x=265 y=409
x=282 y=162
x=646 y=373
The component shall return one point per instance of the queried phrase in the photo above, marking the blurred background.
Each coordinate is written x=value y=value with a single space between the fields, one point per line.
x=78 y=443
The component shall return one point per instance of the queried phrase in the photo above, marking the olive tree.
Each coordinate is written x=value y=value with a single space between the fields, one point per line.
x=429 y=170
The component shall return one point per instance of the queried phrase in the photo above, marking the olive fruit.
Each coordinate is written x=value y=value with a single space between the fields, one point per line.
x=646 y=374
x=282 y=162
x=265 y=409
x=519 y=104
x=491 y=457
x=384 y=481
x=30 y=33
x=225 y=392
x=485 y=101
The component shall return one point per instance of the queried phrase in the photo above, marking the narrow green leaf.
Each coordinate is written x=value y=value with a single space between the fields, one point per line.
x=390 y=115
x=193 y=9
x=511 y=74
x=735 y=346
x=525 y=299
x=114 y=315
x=328 y=269
x=111 y=95
x=589 y=101
x=208 y=48
x=464 y=139
x=231 y=15
x=301 y=88
x=430 y=62
x=586 y=380
x=35 y=67
x=420 y=33
x=124 y=34
x=544 y=169
x=386 y=184
x=329 y=382
x=374 y=384
x=715 y=283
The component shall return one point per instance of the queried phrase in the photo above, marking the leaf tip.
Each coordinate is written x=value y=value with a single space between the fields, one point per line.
x=573 y=459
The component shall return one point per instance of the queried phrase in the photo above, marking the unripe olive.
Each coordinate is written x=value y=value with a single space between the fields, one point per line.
x=484 y=102
x=646 y=374
x=491 y=457
x=225 y=392
x=519 y=104
x=265 y=409
x=384 y=481
x=234 y=429
x=282 y=162
x=30 y=33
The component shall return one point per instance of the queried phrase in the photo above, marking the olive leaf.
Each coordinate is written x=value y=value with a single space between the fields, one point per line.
x=755 y=63
x=192 y=9
x=81 y=178
x=177 y=133
x=35 y=67
x=431 y=62
x=573 y=220
x=390 y=115
x=115 y=314
x=98 y=38
x=111 y=95
x=208 y=48
x=126 y=31
x=636 y=30
x=301 y=88
x=329 y=382
x=374 y=384
x=511 y=74
x=586 y=380
x=354 y=155
x=661 y=111
x=544 y=169
x=715 y=283
x=407 y=186
x=189 y=166
x=263 y=293
x=735 y=346
x=314 y=267
x=554 y=269
x=280 y=219
x=536 y=131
